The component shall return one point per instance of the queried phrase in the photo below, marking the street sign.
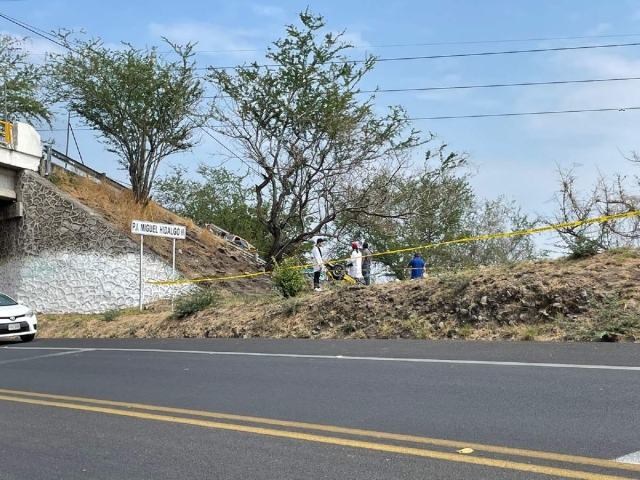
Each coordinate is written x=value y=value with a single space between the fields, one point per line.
x=151 y=229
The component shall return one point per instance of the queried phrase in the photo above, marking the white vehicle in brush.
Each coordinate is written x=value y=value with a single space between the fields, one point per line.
x=16 y=320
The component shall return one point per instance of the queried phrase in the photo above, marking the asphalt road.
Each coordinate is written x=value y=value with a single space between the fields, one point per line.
x=306 y=399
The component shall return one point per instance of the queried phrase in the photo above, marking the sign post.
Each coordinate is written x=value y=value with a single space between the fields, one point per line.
x=141 y=274
x=173 y=275
x=151 y=229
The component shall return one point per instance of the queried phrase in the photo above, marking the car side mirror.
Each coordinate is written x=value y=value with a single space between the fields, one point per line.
x=20 y=302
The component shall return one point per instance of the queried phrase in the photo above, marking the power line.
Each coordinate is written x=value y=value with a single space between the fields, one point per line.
x=43 y=32
x=458 y=55
x=522 y=114
x=431 y=44
x=491 y=85
x=46 y=36
x=478 y=86
x=35 y=30
x=454 y=117
x=449 y=117
x=500 y=85
x=507 y=52
x=435 y=44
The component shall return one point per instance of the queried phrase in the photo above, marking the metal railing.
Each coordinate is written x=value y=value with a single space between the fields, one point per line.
x=81 y=167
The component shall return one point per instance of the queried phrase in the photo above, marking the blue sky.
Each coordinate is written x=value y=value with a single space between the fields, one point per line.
x=514 y=156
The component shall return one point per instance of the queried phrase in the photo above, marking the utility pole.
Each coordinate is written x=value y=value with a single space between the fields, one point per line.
x=68 y=127
x=4 y=99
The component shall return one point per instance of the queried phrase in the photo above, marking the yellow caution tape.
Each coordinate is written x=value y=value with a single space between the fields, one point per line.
x=518 y=233
x=206 y=280
x=491 y=236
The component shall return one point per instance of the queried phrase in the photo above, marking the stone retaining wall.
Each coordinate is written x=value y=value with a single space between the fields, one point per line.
x=62 y=257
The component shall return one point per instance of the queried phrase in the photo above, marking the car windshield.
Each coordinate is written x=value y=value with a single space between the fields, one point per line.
x=6 y=301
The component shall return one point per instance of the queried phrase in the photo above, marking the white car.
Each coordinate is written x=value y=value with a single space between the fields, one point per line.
x=16 y=320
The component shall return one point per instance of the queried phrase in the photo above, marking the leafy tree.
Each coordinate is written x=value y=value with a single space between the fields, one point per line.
x=142 y=104
x=215 y=196
x=317 y=151
x=21 y=94
x=433 y=200
x=442 y=206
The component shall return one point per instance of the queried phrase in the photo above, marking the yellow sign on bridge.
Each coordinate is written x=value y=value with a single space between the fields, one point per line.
x=5 y=132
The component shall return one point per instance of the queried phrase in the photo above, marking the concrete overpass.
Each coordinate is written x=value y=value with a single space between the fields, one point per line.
x=20 y=149
x=56 y=254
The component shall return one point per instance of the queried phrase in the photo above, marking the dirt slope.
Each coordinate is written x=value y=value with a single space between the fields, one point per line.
x=201 y=255
x=596 y=299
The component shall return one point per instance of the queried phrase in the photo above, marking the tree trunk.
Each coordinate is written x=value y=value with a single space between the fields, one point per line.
x=274 y=256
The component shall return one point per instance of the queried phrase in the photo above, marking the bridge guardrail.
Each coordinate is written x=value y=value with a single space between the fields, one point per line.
x=61 y=157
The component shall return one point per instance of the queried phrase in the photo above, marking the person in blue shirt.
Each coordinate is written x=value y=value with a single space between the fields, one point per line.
x=417 y=267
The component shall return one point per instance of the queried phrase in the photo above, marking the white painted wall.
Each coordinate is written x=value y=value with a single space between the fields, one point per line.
x=66 y=282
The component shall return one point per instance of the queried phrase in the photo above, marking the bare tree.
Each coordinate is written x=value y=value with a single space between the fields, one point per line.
x=608 y=196
x=315 y=148
x=489 y=217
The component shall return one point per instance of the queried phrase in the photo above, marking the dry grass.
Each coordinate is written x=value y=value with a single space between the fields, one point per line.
x=120 y=208
x=592 y=299
x=201 y=255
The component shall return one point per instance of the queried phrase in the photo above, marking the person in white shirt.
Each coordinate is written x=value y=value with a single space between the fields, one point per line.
x=355 y=267
x=316 y=252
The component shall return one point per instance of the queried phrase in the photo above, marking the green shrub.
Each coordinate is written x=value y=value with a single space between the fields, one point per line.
x=288 y=279
x=111 y=315
x=348 y=327
x=385 y=331
x=583 y=247
x=613 y=321
x=56 y=178
x=290 y=307
x=187 y=306
x=465 y=331
x=530 y=333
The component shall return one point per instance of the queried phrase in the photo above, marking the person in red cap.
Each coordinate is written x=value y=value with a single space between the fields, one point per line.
x=355 y=267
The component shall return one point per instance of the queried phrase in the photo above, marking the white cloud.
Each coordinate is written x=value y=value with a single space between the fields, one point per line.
x=590 y=139
x=213 y=39
x=598 y=63
x=270 y=11
x=601 y=29
x=603 y=127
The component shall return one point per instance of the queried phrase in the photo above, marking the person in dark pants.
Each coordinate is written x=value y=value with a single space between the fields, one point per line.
x=316 y=252
x=366 y=263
